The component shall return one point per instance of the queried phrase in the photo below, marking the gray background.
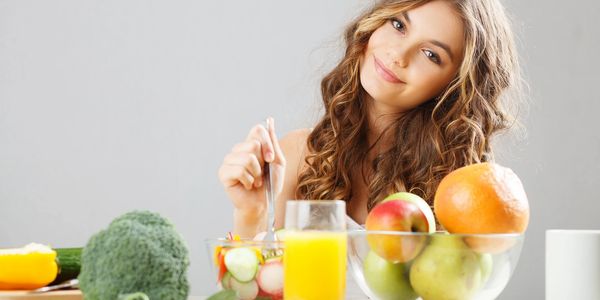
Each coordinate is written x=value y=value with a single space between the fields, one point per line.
x=107 y=106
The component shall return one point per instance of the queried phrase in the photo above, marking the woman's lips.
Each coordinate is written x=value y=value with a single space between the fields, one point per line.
x=386 y=74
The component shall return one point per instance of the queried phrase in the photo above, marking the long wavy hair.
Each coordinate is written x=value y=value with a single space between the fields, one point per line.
x=445 y=133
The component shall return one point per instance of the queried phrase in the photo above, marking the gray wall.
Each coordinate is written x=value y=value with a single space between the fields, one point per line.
x=559 y=162
x=108 y=106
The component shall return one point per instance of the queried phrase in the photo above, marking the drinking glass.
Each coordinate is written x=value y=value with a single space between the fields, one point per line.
x=315 y=250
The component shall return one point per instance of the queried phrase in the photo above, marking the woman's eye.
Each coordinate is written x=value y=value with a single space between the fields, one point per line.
x=432 y=56
x=398 y=25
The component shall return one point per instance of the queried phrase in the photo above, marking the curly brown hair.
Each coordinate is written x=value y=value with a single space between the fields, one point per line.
x=445 y=133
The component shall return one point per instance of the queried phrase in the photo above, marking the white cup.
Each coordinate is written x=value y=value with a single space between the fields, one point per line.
x=572 y=264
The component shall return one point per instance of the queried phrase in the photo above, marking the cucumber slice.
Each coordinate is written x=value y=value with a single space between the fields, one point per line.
x=226 y=281
x=245 y=290
x=242 y=263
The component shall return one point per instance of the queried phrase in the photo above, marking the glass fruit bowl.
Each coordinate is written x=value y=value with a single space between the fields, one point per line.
x=439 y=266
x=246 y=269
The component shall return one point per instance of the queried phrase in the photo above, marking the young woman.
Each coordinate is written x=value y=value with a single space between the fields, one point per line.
x=419 y=92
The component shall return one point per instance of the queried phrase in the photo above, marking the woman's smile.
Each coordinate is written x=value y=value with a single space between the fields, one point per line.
x=385 y=73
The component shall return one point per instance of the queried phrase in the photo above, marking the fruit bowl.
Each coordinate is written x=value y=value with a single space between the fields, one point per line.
x=246 y=269
x=409 y=265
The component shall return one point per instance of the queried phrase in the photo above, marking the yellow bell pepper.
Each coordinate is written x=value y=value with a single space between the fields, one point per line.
x=30 y=267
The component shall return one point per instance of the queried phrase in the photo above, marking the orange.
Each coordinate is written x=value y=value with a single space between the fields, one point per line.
x=480 y=199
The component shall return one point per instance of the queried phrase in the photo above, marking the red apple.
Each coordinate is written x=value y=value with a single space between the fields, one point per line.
x=399 y=212
x=420 y=202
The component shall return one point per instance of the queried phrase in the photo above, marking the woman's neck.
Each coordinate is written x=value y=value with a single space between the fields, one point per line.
x=380 y=118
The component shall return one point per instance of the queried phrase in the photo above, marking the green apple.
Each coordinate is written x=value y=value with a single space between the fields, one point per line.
x=388 y=281
x=446 y=269
x=420 y=202
x=487 y=262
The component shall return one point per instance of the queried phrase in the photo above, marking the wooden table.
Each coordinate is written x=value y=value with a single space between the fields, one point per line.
x=57 y=295
x=76 y=295
x=26 y=295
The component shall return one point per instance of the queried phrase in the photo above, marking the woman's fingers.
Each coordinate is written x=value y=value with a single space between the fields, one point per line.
x=253 y=146
x=278 y=158
x=260 y=133
x=247 y=161
x=244 y=165
x=230 y=175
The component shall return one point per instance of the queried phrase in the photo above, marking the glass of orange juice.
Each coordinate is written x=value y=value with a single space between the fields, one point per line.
x=315 y=250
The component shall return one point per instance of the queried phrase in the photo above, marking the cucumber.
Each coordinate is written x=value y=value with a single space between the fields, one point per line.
x=226 y=281
x=245 y=290
x=69 y=264
x=242 y=263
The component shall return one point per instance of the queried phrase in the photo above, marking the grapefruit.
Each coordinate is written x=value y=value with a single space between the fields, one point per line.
x=483 y=198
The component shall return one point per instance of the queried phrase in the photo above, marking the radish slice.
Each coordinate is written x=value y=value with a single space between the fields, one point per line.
x=245 y=290
x=270 y=278
x=242 y=263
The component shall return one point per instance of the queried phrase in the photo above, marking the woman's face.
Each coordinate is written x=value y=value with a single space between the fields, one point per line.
x=413 y=56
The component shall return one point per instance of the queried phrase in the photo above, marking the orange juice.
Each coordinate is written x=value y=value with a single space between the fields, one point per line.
x=314 y=265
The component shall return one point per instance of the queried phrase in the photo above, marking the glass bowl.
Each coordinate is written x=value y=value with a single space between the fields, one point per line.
x=407 y=265
x=246 y=269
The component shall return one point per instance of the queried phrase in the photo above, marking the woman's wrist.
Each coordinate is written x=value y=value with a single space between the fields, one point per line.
x=248 y=222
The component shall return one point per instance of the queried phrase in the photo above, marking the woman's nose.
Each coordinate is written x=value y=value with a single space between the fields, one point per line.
x=400 y=56
x=401 y=60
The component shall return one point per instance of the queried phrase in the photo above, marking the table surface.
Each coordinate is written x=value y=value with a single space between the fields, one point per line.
x=26 y=295
x=76 y=295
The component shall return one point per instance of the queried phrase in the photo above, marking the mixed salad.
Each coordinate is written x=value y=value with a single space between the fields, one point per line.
x=248 y=270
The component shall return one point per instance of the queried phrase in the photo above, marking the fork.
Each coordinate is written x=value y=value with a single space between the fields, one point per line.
x=270 y=234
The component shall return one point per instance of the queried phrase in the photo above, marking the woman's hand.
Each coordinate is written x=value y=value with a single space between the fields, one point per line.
x=242 y=176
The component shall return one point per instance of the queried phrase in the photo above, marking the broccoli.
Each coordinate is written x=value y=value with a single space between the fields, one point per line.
x=140 y=251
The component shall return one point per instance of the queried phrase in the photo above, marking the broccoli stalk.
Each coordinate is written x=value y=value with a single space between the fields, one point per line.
x=140 y=251
x=134 y=296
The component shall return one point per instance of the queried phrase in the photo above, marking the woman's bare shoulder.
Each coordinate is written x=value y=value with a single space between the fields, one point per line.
x=294 y=145
x=297 y=136
x=294 y=149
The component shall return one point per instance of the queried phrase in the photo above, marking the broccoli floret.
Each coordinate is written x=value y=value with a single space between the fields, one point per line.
x=140 y=251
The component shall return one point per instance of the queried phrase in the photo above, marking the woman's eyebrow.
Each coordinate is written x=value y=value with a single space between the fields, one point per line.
x=405 y=15
x=435 y=42
x=443 y=46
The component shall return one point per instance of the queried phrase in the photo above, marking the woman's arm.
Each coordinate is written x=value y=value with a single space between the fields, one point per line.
x=241 y=175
